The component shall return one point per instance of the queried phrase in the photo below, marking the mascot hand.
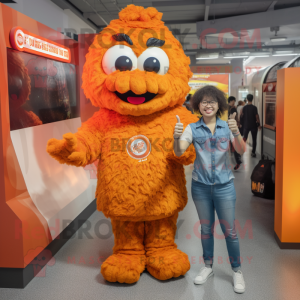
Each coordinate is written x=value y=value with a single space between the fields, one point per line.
x=68 y=150
x=178 y=129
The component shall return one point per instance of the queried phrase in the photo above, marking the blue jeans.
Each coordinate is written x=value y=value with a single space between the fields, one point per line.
x=219 y=197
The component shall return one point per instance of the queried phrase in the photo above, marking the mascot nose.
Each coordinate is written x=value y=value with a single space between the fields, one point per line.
x=137 y=81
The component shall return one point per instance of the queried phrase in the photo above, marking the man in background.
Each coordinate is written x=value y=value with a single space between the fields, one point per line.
x=239 y=109
x=250 y=120
x=232 y=109
x=187 y=103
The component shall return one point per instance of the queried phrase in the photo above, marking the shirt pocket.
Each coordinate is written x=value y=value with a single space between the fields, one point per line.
x=201 y=143
x=223 y=143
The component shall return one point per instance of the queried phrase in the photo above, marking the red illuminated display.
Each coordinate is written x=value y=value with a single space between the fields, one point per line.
x=23 y=40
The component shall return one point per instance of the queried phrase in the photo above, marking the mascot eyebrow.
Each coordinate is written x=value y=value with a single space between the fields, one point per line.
x=120 y=37
x=152 y=42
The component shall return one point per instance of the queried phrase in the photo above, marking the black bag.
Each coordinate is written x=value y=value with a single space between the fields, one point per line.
x=263 y=179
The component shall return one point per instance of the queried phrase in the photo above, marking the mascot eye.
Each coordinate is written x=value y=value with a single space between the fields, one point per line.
x=123 y=63
x=119 y=57
x=152 y=64
x=154 y=60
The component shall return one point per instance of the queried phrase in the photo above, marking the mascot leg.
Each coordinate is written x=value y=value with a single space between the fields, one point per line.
x=128 y=259
x=164 y=260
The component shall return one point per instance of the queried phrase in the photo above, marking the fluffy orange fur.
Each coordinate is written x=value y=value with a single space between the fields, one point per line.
x=145 y=244
x=135 y=193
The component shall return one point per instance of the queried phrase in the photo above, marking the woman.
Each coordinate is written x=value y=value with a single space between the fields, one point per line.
x=212 y=179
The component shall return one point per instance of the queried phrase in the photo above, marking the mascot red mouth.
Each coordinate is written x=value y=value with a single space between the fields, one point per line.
x=132 y=98
x=136 y=100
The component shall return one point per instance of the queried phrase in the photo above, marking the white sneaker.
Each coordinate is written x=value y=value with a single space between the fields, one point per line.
x=239 y=285
x=203 y=275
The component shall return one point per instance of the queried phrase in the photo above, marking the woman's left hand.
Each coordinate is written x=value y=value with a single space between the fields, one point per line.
x=232 y=124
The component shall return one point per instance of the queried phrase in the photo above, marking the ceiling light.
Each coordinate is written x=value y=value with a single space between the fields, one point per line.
x=207 y=57
x=260 y=56
x=260 y=53
x=237 y=53
x=278 y=39
x=281 y=52
x=235 y=56
x=286 y=54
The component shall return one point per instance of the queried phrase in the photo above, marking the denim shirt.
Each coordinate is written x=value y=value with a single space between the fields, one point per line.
x=212 y=164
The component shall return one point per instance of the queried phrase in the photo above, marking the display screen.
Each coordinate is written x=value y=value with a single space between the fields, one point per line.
x=270 y=114
x=40 y=90
x=270 y=106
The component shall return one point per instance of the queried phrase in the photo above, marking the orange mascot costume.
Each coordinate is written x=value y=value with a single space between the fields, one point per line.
x=137 y=73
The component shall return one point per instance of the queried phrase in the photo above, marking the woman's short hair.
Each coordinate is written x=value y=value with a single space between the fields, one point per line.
x=212 y=92
x=240 y=103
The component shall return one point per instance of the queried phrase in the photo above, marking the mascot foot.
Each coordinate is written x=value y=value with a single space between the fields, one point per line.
x=123 y=268
x=165 y=264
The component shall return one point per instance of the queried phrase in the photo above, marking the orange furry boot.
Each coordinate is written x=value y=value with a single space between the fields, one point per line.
x=128 y=260
x=164 y=260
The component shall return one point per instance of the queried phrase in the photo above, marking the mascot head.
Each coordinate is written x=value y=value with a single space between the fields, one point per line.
x=135 y=66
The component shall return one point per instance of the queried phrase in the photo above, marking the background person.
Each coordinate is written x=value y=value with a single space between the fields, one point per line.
x=231 y=110
x=251 y=123
x=187 y=103
x=239 y=109
x=212 y=179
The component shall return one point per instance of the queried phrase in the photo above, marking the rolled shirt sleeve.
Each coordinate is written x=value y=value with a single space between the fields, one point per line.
x=187 y=135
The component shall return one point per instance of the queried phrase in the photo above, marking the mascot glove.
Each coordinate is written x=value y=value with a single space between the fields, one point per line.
x=68 y=150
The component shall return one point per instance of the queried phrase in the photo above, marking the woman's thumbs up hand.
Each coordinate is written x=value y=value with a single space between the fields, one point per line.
x=232 y=123
x=178 y=129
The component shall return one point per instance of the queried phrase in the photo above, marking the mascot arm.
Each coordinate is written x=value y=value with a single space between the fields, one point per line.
x=79 y=149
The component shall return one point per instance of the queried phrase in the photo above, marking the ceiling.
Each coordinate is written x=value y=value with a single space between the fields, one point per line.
x=174 y=11
x=182 y=16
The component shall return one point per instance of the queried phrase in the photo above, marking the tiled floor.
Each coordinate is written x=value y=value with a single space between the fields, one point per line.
x=270 y=273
